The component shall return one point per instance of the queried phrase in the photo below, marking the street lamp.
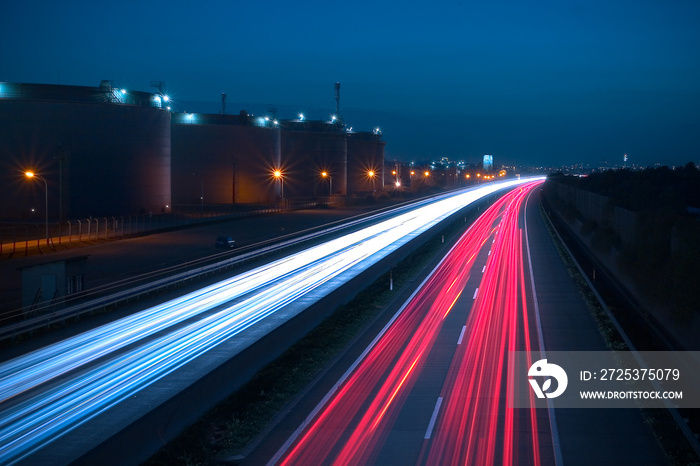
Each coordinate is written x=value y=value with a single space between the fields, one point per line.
x=330 y=182
x=370 y=175
x=31 y=174
x=278 y=174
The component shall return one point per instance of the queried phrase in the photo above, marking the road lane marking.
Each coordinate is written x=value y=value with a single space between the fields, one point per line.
x=483 y=270
x=433 y=418
x=475 y=293
x=461 y=335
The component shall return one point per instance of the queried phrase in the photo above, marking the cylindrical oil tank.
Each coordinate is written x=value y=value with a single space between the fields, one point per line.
x=98 y=157
x=223 y=159
x=365 y=155
x=308 y=150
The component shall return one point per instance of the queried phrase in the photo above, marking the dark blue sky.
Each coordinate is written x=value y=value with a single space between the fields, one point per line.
x=531 y=82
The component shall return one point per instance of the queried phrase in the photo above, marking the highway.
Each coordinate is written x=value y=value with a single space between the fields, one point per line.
x=433 y=386
x=480 y=283
x=46 y=394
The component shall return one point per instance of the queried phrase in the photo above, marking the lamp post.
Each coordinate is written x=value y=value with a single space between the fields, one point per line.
x=30 y=174
x=278 y=174
x=330 y=182
x=370 y=175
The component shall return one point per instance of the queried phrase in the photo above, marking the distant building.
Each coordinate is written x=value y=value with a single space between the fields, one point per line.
x=488 y=163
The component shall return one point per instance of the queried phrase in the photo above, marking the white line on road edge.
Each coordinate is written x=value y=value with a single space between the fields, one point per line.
x=461 y=335
x=556 y=444
x=433 y=418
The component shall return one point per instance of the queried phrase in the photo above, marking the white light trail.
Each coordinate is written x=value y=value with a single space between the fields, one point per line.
x=165 y=337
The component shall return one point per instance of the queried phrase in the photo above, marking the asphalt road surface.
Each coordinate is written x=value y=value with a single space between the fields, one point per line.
x=431 y=388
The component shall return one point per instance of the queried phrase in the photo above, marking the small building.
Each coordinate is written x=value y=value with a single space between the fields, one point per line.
x=45 y=286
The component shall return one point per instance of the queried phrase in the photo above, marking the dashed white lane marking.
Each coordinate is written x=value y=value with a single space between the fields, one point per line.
x=461 y=335
x=475 y=293
x=433 y=418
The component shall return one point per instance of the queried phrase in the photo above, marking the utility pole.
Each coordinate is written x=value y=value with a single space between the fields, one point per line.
x=60 y=156
x=337 y=100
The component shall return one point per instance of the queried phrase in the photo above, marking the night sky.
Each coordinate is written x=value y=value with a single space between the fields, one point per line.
x=549 y=82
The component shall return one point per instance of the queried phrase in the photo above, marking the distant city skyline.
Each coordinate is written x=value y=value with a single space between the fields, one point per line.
x=554 y=83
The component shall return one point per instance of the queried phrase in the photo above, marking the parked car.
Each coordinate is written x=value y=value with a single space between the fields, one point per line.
x=224 y=242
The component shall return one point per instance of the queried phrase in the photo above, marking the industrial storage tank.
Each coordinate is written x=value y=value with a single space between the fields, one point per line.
x=309 y=149
x=365 y=162
x=223 y=159
x=102 y=151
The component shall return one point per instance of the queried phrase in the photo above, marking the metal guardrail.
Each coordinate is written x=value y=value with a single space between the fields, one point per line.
x=52 y=317
x=44 y=320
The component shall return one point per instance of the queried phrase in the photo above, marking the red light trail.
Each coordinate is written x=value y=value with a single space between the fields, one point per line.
x=473 y=424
